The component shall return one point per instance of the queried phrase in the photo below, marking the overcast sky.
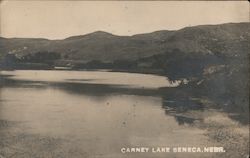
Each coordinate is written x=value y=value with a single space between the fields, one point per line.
x=61 y=19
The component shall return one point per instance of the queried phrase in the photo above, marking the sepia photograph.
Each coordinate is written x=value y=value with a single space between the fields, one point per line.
x=124 y=79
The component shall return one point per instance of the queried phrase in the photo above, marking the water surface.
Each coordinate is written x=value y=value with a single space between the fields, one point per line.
x=95 y=114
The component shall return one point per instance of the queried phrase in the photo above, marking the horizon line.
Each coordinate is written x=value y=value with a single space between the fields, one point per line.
x=44 y=38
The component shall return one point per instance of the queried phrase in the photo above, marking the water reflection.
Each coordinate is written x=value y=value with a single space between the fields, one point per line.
x=174 y=100
x=178 y=104
x=96 y=117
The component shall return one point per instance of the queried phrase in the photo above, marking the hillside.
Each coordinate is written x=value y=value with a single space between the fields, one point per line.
x=230 y=39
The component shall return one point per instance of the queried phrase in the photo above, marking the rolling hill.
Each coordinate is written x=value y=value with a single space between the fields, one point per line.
x=227 y=39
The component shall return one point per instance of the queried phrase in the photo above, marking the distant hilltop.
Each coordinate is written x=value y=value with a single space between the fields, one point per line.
x=230 y=39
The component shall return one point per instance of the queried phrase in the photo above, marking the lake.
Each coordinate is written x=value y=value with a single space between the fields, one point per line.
x=94 y=114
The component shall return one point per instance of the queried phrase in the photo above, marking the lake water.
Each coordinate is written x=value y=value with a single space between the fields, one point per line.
x=94 y=114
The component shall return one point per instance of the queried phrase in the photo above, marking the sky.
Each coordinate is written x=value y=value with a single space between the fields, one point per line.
x=61 y=19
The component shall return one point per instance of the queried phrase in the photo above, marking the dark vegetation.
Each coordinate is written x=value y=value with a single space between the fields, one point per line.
x=39 y=60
